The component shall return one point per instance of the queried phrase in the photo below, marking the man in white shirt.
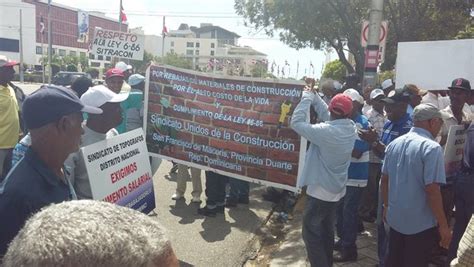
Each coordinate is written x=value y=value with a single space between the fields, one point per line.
x=98 y=127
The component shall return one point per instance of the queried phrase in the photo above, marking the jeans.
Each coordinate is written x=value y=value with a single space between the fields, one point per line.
x=411 y=250
x=368 y=202
x=215 y=189
x=383 y=231
x=464 y=203
x=347 y=218
x=318 y=231
x=238 y=189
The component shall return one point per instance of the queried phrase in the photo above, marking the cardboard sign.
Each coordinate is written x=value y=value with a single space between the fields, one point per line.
x=454 y=150
x=118 y=44
x=119 y=171
x=433 y=65
x=235 y=126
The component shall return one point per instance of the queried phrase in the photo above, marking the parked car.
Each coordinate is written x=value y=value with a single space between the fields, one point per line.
x=65 y=78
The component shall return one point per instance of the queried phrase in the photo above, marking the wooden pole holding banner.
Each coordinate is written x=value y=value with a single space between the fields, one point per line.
x=50 y=45
x=22 y=75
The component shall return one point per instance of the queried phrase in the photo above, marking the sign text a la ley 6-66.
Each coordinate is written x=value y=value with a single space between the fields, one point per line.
x=118 y=44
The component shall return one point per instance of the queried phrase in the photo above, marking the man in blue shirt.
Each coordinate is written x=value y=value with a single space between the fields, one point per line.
x=325 y=169
x=358 y=173
x=399 y=123
x=53 y=115
x=412 y=172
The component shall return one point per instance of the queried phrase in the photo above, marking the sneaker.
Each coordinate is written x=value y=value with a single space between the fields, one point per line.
x=205 y=211
x=196 y=200
x=345 y=256
x=177 y=196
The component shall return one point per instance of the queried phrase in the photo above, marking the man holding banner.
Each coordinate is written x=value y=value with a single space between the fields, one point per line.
x=97 y=128
x=325 y=169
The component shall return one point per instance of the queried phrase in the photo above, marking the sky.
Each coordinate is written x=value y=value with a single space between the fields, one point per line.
x=148 y=14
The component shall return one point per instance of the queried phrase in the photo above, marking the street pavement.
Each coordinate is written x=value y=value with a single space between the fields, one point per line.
x=224 y=240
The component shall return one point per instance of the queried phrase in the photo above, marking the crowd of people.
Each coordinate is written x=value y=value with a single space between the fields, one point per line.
x=374 y=155
x=377 y=154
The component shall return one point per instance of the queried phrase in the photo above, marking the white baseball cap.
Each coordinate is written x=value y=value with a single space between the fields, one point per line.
x=135 y=79
x=387 y=83
x=375 y=93
x=99 y=95
x=354 y=95
x=123 y=66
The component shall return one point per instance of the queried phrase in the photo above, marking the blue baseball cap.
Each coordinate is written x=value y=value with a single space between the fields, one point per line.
x=50 y=103
x=135 y=79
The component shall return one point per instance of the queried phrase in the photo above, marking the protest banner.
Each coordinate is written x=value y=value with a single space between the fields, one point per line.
x=119 y=171
x=432 y=65
x=235 y=126
x=118 y=44
x=454 y=149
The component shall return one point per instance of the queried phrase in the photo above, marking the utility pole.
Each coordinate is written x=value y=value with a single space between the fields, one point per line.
x=163 y=34
x=50 y=44
x=373 y=41
x=22 y=76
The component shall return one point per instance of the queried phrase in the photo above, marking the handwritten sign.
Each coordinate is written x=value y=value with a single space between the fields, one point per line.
x=119 y=171
x=118 y=44
x=454 y=149
x=232 y=125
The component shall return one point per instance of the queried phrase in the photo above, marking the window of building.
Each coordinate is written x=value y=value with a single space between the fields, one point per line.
x=189 y=52
x=212 y=53
x=100 y=57
x=108 y=58
x=73 y=53
x=39 y=50
x=172 y=43
x=62 y=52
x=107 y=65
x=82 y=54
x=91 y=56
x=9 y=45
x=197 y=52
x=197 y=44
x=54 y=51
x=212 y=45
x=189 y=44
x=95 y=64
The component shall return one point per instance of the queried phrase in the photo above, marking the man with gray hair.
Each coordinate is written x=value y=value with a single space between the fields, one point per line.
x=412 y=172
x=90 y=233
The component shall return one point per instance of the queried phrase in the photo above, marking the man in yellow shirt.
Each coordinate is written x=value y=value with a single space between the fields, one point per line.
x=9 y=120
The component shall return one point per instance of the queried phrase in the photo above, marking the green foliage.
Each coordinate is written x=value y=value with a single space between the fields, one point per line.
x=321 y=24
x=175 y=60
x=72 y=68
x=467 y=33
x=334 y=70
x=259 y=71
x=93 y=72
x=388 y=74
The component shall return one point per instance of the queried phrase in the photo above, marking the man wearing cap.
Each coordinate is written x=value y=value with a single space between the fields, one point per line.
x=388 y=86
x=98 y=127
x=9 y=117
x=347 y=217
x=325 y=169
x=415 y=95
x=127 y=71
x=399 y=123
x=114 y=80
x=412 y=172
x=132 y=108
x=377 y=118
x=330 y=88
x=53 y=115
x=459 y=93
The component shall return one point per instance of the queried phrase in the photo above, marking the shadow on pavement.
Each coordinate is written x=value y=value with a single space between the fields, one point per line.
x=215 y=228
x=187 y=212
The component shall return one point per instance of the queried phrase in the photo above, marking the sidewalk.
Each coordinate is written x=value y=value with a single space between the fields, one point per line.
x=292 y=252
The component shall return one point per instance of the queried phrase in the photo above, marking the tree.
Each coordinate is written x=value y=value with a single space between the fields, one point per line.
x=141 y=65
x=334 y=70
x=259 y=71
x=175 y=60
x=321 y=24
